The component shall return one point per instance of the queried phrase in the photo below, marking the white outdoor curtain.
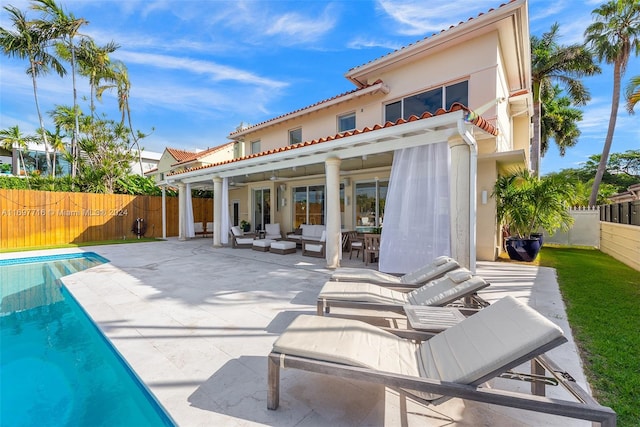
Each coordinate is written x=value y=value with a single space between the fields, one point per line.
x=224 y=221
x=188 y=213
x=416 y=215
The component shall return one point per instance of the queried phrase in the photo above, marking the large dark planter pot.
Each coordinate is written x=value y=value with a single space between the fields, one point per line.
x=538 y=236
x=523 y=249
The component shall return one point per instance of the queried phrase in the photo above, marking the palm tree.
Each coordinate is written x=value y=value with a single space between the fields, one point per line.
x=633 y=93
x=552 y=63
x=57 y=146
x=94 y=63
x=120 y=75
x=614 y=36
x=13 y=139
x=559 y=122
x=27 y=42
x=65 y=26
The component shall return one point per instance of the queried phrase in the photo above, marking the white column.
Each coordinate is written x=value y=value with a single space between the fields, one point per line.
x=334 y=238
x=181 y=202
x=217 y=211
x=164 y=212
x=460 y=224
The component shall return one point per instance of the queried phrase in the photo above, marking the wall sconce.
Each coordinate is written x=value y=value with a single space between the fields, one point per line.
x=347 y=200
x=483 y=197
x=347 y=182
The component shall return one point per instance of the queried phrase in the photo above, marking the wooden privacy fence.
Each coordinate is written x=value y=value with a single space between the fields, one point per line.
x=31 y=219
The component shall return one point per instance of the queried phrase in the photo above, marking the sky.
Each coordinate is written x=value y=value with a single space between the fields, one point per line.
x=200 y=68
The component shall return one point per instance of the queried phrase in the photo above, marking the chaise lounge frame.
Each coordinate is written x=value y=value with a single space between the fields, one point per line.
x=586 y=407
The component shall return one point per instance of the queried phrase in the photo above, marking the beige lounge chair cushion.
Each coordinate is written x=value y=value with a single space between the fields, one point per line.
x=465 y=353
x=348 y=342
x=433 y=270
x=237 y=231
x=437 y=268
x=454 y=285
x=362 y=292
x=486 y=341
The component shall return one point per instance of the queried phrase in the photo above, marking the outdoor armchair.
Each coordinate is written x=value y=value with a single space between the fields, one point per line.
x=240 y=239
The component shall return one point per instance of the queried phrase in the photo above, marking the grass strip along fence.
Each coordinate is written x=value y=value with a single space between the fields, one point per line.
x=602 y=296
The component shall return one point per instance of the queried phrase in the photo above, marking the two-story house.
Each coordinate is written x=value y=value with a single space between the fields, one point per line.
x=415 y=148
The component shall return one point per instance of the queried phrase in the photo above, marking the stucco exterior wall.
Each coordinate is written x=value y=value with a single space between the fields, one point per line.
x=475 y=60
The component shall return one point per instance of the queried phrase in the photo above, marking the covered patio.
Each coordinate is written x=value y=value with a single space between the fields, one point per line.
x=196 y=323
x=330 y=160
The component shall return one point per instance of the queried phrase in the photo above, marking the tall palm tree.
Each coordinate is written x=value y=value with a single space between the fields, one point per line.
x=633 y=93
x=27 y=42
x=120 y=75
x=552 y=63
x=59 y=24
x=13 y=139
x=614 y=36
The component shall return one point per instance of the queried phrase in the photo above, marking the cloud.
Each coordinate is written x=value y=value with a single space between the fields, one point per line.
x=296 y=28
x=418 y=17
x=363 y=43
x=215 y=71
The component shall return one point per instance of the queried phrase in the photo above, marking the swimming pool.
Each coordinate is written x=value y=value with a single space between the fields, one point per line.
x=56 y=367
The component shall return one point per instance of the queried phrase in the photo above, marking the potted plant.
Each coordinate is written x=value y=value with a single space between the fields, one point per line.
x=527 y=204
x=245 y=225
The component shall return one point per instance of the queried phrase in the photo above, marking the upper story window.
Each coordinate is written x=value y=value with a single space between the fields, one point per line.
x=255 y=147
x=347 y=122
x=295 y=136
x=431 y=100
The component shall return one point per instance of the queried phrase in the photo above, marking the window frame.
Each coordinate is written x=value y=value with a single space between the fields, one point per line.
x=291 y=134
x=251 y=145
x=444 y=102
x=345 y=116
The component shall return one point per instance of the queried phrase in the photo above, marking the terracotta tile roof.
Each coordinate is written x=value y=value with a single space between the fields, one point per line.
x=427 y=37
x=200 y=154
x=324 y=101
x=519 y=92
x=180 y=155
x=470 y=116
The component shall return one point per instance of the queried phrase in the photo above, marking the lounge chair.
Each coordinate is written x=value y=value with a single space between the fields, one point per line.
x=240 y=239
x=454 y=285
x=451 y=364
x=437 y=268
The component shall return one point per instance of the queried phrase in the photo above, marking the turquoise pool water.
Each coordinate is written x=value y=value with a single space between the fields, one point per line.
x=56 y=368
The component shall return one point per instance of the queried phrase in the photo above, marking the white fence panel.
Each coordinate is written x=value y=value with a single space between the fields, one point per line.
x=585 y=230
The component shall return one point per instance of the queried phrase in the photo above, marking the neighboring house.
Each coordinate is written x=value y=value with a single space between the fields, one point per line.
x=416 y=148
x=148 y=161
x=174 y=160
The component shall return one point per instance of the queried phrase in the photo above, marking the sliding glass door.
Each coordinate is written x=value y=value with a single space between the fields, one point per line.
x=370 y=202
x=261 y=208
x=308 y=205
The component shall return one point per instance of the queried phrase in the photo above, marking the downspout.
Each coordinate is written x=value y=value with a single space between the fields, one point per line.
x=473 y=169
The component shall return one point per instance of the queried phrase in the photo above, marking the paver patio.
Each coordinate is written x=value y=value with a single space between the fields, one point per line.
x=197 y=323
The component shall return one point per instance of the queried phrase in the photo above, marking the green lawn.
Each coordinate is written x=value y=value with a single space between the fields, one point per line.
x=602 y=297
